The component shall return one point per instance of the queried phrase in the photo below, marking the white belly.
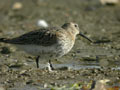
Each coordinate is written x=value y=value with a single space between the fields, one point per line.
x=54 y=51
x=39 y=50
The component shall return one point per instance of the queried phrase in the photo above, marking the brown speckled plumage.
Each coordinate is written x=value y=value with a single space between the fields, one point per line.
x=47 y=42
x=43 y=37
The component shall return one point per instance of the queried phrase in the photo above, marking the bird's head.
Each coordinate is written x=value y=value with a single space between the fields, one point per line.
x=74 y=29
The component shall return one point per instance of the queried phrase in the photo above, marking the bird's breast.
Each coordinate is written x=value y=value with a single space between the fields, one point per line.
x=66 y=45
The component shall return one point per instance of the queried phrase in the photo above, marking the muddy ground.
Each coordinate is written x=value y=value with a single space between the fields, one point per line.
x=84 y=63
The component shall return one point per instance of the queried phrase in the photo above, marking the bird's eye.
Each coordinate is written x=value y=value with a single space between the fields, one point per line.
x=76 y=25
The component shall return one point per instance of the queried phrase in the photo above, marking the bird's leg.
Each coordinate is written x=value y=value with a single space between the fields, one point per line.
x=37 y=61
x=50 y=66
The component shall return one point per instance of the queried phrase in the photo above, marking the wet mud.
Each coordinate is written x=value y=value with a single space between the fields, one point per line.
x=85 y=62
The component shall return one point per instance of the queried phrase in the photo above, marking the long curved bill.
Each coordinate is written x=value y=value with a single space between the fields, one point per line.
x=85 y=37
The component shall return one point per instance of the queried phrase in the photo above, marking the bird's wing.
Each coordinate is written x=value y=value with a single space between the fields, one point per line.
x=43 y=37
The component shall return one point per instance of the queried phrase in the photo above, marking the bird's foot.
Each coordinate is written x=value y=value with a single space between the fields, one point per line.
x=50 y=67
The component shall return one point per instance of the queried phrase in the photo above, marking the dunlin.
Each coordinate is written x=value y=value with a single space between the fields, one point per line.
x=47 y=43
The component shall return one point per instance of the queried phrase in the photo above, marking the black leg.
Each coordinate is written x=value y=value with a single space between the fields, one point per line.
x=51 y=66
x=37 y=61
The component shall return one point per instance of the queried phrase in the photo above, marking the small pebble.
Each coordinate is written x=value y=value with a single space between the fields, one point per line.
x=17 y=6
x=103 y=30
x=42 y=23
x=23 y=71
x=45 y=85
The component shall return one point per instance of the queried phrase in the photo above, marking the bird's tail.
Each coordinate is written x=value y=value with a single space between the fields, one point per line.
x=3 y=40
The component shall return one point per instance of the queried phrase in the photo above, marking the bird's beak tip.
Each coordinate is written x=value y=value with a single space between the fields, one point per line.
x=85 y=37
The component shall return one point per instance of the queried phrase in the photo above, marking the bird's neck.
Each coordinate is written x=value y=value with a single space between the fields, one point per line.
x=71 y=35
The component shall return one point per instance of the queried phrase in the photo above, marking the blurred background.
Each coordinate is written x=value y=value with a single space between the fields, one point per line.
x=97 y=19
